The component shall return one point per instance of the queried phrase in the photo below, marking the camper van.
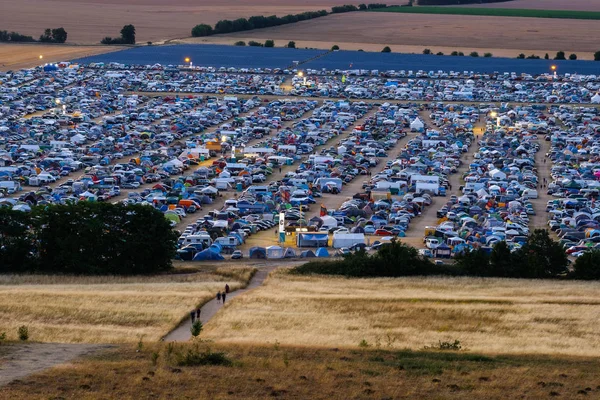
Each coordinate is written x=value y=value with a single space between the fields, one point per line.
x=201 y=238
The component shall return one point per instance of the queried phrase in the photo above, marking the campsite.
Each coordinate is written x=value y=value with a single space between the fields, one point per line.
x=299 y=222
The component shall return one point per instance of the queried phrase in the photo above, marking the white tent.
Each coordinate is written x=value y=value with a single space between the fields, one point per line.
x=596 y=98
x=497 y=174
x=329 y=221
x=347 y=239
x=275 y=252
x=417 y=125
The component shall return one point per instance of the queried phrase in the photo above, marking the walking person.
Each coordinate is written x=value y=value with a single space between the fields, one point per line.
x=218 y=297
x=223 y=297
x=198 y=313
x=226 y=288
x=193 y=315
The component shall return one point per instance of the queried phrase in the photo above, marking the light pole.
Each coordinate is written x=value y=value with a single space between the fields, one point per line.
x=553 y=68
x=57 y=101
x=494 y=114
x=301 y=75
x=188 y=60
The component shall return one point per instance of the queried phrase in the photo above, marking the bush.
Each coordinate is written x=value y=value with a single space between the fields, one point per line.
x=2 y=337
x=521 y=56
x=546 y=57
x=573 y=56
x=291 y=44
x=454 y=53
x=587 y=265
x=23 y=333
x=533 y=57
x=6 y=36
x=269 y=43
x=202 y=30
x=386 y=49
x=195 y=357
x=240 y=43
x=335 y=47
x=488 y=55
x=362 y=7
x=461 y=54
x=196 y=328
x=560 y=55
x=597 y=56
x=252 y=43
x=426 y=51
x=439 y=53
x=474 y=54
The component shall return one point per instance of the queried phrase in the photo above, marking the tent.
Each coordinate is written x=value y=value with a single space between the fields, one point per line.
x=417 y=125
x=275 y=252
x=289 y=253
x=258 y=252
x=208 y=254
x=307 y=254
x=322 y=252
x=312 y=239
x=347 y=239
x=596 y=98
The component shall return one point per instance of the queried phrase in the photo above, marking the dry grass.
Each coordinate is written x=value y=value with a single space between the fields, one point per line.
x=486 y=315
x=107 y=309
x=297 y=373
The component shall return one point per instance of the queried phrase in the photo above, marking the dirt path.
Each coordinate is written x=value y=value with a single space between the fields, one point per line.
x=32 y=358
x=182 y=333
x=540 y=219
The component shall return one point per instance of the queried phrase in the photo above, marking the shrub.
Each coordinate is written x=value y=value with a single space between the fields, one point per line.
x=335 y=47
x=23 y=333
x=597 y=56
x=573 y=56
x=6 y=36
x=360 y=50
x=560 y=55
x=461 y=54
x=449 y=345
x=439 y=53
x=196 y=328
x=202 y=30
x=386 y=49
x=454 y=53
x=488 y=55
x=522 y=56
x=252 y=43
x=194 y=357
x=2 y=337
x=364 y=344
x=362 y=7
x=587 y=265
x=533 y=57
x=269 y=43
x=291 y=44
x=426 y=51
x=240 y=43
x=546 y=57
x=474 y=54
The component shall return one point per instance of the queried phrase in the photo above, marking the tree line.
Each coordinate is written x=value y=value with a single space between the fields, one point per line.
x=58 y=35
x=259 y=21
x=540 y=257
x=86 y=238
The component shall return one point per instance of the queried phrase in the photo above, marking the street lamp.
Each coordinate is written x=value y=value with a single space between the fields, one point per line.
x=188 y=60
x=553 y=68
x=41 y=56
x=494 y=114
x=301 y=75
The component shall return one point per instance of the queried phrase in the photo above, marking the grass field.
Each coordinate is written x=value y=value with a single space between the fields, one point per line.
x=107 y=309
x=493 y=316
x=494 y=12
x=300 y=373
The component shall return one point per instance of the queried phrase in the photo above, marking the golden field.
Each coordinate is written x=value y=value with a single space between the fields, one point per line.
x=262 y=372
x=107 y=309
x=492 y=316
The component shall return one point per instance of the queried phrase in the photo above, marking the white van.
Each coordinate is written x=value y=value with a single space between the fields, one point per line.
x=530 y=193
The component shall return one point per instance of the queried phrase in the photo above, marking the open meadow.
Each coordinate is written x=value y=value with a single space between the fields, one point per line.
x=107 y=309
x=494 y=316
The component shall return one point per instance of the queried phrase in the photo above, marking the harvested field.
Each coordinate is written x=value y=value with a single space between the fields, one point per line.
x=88 y=21
x=485 y=315
x=107 y=309
x=496 y=12
x=438 y=32
x=17 y=56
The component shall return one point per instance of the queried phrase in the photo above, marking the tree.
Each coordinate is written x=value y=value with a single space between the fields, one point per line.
x=16 y=242
x=541 y=257
x=587 y=265
x=128 y=34
x=502 y=262
x=475 y=263
x=362 y=7
x=521 y=56
x=386 y=49
x=488 y=55
x=461 y=54
x=597 y=56
x=202 y=30
x=474 y=54
x=573 y=56
x=335 y=47
x=59 y=35
x=240 y=43
x=560 y=55
x=224 y=26
x=426 y=51
x=291 y=44
x=439 y=53
x=252 y=43
x=546 y=57
x=454 y=53
x=269 y=43
x=46 y=37
x=241 y=24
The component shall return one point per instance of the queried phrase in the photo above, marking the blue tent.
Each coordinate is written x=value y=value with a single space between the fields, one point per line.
x=258 y=252
x=208 y=254
x=322 y=252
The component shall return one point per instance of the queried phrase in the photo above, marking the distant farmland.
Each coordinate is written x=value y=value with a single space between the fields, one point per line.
x=494 y=12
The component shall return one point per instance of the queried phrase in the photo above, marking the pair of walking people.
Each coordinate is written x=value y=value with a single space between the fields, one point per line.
x=195 y=314
x=223 y=295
